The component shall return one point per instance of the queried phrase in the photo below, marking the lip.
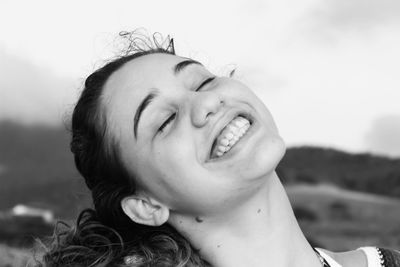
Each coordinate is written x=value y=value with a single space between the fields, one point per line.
x=222 y=123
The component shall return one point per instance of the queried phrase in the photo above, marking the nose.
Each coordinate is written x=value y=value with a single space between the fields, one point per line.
x=205 y=105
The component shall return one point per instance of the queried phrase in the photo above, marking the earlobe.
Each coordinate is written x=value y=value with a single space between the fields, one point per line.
x=145 y=211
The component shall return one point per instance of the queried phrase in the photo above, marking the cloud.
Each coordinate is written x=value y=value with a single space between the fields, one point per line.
x=350 y=16
x=384 y=136
x=31 y=93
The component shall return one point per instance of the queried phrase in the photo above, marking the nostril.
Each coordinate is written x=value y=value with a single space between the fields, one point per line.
x=205 y=106
x=209 y=114
x=216 y=109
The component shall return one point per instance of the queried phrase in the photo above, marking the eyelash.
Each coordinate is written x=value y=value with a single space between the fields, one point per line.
x=165 y=124
x=206 y=81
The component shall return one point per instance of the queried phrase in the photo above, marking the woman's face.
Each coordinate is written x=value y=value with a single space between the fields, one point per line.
x=195 y=142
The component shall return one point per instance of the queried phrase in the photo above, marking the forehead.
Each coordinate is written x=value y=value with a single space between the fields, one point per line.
x=140 y=73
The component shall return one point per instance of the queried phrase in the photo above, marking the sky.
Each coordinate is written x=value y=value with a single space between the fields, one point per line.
x=327 y=70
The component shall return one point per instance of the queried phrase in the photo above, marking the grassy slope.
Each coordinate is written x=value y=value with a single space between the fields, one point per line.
x=15 y=257
x=347 y=219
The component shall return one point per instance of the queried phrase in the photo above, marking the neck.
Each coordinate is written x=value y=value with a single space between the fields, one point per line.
x=262 y=231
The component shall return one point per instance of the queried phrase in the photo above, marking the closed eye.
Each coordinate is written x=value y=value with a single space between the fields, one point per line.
x=205 y=83
x=165 y=124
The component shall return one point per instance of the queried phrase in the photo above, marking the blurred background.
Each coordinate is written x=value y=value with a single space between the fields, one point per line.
x=327 y=70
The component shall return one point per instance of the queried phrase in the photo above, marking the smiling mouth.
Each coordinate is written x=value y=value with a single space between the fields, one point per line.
x=230 y=135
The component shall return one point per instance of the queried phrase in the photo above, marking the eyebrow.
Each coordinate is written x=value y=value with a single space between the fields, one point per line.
x=145 y=102
x=183 y=64
x=150 y=97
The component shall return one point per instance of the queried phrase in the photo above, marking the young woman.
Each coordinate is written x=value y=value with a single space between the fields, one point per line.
x=181 y=166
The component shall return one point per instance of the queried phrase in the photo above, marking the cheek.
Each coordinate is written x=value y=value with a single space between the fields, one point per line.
x=267 y=156
x=175 y=162
x=175 y=150
x=266 y=114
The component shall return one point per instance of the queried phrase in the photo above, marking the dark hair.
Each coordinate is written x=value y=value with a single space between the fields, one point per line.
x=106 y=236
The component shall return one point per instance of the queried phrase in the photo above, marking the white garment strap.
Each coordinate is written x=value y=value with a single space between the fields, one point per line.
x=328 y=259
x=372 y=256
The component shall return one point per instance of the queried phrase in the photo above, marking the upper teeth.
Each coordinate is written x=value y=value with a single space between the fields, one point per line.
x=230 y=135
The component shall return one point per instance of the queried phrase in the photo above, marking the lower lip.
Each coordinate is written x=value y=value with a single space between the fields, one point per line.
x=237 y=146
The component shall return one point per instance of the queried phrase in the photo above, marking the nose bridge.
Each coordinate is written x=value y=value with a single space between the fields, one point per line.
x=203 y=106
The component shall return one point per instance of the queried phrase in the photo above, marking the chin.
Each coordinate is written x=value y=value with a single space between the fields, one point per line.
x=267 y=157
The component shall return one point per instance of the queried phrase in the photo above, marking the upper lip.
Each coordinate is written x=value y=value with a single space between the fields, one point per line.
x=222 y=122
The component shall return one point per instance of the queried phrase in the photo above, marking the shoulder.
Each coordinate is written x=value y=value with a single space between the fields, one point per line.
x=360 y=257
x=353 y=258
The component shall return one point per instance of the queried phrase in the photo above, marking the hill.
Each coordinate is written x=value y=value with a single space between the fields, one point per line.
x=359 y=172
x=37 y=168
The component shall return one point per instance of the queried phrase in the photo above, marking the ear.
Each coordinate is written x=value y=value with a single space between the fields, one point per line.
x=145 y=210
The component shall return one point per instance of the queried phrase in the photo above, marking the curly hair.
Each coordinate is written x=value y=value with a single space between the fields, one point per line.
x=105 y=236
